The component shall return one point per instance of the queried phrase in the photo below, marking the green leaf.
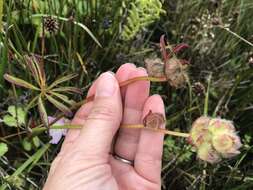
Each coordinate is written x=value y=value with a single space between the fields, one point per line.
x=32 y=160
x=36 y=141
x=42 y=111
x=19 y=82
x=63 y=98
x=10 y=121
x=18 y=113
x=59 y=105
x=3 y=149
x=68 y=89
x=61 y=80
x=26 y=144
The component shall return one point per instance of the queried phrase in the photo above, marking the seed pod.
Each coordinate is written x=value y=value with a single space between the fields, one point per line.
x=199 y=131
x=153 y=120
x=198 y=88
x=155 y=67
x=51 y=24
x=176 y=73
x=207 y=153
x=214 y=138
x=224 y=140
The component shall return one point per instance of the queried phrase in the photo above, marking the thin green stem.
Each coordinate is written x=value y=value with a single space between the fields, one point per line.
x=207 y=96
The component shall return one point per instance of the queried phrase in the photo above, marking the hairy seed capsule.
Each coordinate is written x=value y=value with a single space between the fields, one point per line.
x=155 y=67
x=176 y=73
x=214 y=138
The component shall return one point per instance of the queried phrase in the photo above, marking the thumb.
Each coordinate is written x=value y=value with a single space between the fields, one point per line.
x=104 y=118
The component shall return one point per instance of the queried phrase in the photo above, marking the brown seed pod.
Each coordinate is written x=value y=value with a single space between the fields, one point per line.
x=198 y=89
x=176 y=73
x=153 y=120
x=51 y=24
x=155 y=67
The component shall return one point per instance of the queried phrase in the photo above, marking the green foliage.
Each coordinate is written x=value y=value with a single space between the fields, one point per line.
x=3 y=149
x=47 y=74
x=140 y=15
x=15 y=117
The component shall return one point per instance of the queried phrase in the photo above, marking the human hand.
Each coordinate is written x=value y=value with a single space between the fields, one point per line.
x=85 y=160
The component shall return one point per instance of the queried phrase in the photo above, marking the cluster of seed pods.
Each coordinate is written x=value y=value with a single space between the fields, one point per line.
x=171 y=68
x=214 y=138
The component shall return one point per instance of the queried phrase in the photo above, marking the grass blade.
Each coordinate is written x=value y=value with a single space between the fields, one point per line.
x=43 y=112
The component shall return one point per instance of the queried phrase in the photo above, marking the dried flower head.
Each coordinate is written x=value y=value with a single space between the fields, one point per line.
x=51 y=24
x=199 y=89
x=174 y=69
x=155 y=67
x=176 y=73
x=214 y=138
x=153 y=120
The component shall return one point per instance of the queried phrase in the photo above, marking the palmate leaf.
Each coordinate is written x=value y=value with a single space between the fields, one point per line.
x=61 y=80
x=67 y=89
x=42 y=111
x=19 y=82
x=59 y=105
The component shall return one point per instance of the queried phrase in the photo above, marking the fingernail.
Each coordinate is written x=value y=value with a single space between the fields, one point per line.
x=106 y=85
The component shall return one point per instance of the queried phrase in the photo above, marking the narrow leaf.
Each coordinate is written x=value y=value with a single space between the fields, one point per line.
x=61 y=80
x=59 y=105
x=42 y=111
x=68 y=89
x=19 y=82
x=32 y=68
x=63 y=98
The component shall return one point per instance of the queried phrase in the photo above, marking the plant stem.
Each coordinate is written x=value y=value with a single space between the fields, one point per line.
x=152 y=79
x=168 y=132
x=38 y=130
x=236 y=35
x=207 y=96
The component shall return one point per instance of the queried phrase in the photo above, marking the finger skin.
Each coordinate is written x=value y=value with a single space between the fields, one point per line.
x=78 y=119
x=103 y=120
x=82 y=113
x=122 y=74
x=149 y=153
x=136 y=95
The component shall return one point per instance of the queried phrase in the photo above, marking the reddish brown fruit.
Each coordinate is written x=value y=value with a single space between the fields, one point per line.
x=153 y=120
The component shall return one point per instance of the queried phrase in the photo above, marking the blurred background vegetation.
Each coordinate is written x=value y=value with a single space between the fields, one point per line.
x=71 y=42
